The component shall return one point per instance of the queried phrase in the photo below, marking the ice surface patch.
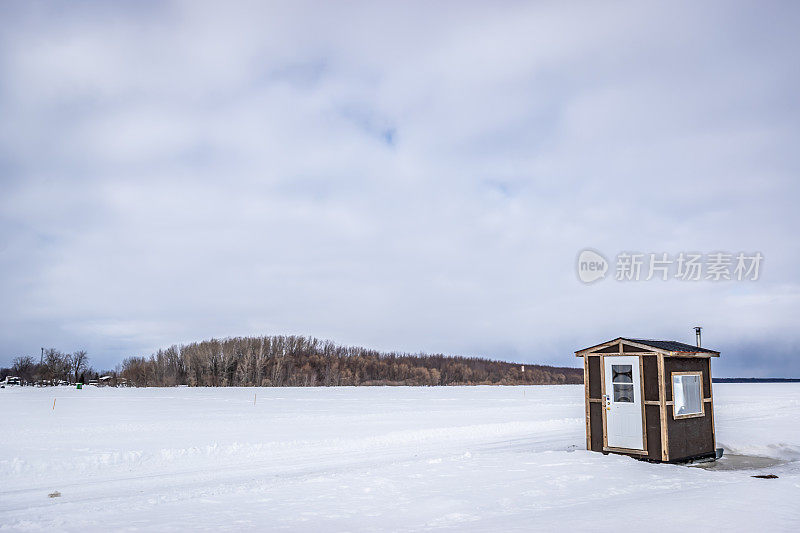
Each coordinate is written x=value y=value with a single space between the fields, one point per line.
x=452 y=519
x=370 y=459
x=782 y=451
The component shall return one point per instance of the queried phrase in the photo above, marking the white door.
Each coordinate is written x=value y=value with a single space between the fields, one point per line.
x=623 y=403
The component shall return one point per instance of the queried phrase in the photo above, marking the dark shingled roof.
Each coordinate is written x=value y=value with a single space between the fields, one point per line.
x=671 y=346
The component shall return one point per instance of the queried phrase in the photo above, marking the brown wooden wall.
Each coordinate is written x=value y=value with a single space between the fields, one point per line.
x=595 y=381
x=689 y=437
x=687 y=364
x=653 y=421
x=650 y=367
x=596 y=424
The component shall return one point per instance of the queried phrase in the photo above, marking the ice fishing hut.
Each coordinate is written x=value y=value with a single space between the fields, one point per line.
x=649 y=399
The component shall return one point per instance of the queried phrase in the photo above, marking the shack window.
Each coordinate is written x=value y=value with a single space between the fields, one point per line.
x=622 y=379
x=687 y=394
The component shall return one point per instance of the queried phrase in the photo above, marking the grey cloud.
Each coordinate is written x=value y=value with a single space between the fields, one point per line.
x=404 y=176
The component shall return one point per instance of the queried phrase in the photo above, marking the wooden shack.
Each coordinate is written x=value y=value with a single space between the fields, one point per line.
x=649 y=399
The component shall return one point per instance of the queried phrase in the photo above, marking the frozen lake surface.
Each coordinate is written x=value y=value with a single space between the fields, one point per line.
x=376 y=459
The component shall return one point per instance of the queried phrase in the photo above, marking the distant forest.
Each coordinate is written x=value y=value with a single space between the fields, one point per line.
x=277 y=361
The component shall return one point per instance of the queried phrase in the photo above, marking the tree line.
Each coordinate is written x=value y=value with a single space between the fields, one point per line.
x=279 y=361
x=53 y=367
x=294 y=361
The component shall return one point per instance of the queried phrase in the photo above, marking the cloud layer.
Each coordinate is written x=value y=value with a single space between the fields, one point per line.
x=401 y=176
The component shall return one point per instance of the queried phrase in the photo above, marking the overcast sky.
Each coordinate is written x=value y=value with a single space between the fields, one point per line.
x=402 y=176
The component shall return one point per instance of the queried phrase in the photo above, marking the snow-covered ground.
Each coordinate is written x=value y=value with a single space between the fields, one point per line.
x=375 y=459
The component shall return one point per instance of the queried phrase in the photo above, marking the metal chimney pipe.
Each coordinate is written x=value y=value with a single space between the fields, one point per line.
x=697 y=331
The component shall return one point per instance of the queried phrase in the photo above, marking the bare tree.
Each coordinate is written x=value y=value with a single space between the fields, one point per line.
x=24 y=367
x=57 y=365
x=303 y=361
x=79 y=363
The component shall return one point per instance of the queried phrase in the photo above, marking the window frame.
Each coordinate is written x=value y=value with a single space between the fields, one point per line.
x=621 y=384
x=699 y=374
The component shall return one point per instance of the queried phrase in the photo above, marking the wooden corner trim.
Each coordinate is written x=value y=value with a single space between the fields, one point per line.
x=588 y=400
x=711 y=402
x=641 y=396
x=662 y=400
x=604 y=392
x=585 y=351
